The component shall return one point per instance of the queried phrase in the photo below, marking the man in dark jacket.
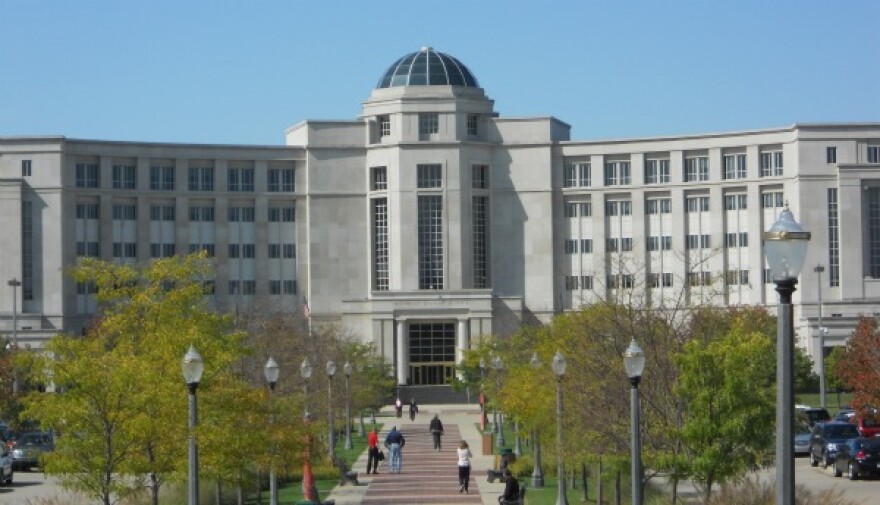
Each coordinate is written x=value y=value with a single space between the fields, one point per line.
x=436 y=428
x=394 y=441
x=511 y=489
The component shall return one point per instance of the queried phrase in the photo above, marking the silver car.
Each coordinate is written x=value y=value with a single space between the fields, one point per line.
x=5 y=464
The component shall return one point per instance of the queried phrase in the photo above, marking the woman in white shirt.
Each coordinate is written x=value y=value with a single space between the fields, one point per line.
x=464 y=466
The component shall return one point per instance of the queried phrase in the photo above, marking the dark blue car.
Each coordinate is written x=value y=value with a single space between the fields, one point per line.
x=858 y=457
x=826 y=439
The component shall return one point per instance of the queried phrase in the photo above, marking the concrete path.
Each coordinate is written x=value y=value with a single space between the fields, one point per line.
x=428 y=477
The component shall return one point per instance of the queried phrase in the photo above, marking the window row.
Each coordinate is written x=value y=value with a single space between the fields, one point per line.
x=205 y=214
x=736 y=201
x=655 y=243
x=657 y=280
x=200 y=178
x=695 y=169
x=164 y=250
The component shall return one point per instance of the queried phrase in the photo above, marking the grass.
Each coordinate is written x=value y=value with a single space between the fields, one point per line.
x=834 y=400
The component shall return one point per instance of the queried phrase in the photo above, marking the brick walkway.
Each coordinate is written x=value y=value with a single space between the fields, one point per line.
x=427 y=477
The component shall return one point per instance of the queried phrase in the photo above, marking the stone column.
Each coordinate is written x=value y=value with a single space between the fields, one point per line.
x=402 y=353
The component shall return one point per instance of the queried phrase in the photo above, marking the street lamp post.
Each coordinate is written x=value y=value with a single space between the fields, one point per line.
x=482 y=396
x=558 y=367
x=498 y=364
x=634 y=362
x=270 y=371
x=14 y=284
x=538 y=471
x=193 y=366
x=330 y=368
x=347 y=369
x=822 y=332
x=785 y=246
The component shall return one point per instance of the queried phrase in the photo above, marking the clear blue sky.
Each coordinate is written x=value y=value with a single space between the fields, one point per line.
x=242 y=72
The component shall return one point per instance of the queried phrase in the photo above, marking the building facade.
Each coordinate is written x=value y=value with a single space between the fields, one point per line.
x=430 y=221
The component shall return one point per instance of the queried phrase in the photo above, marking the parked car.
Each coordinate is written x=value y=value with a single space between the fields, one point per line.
x=801 y=439
x=815 y=415
x=5 y=465
x=844 y=415
x=29 y=447
x=868 y=425
x=826 y=438
x=857 y=457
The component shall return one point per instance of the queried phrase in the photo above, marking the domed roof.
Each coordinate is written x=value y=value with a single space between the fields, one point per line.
x=427 y=68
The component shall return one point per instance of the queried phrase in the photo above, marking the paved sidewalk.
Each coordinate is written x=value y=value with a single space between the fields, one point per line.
x=428 y=477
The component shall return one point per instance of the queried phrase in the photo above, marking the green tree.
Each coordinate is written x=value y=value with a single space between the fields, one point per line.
x=123 y=406
x=729 y=402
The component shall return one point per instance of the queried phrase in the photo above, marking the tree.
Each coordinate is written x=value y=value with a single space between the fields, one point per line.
x=729 y=402
x=859 y=365
x=122 y=406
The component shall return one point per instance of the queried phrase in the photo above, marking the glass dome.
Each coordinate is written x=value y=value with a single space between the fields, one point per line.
x=427 y=68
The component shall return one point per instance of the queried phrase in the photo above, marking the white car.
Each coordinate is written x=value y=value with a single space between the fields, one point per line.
x=5 y=464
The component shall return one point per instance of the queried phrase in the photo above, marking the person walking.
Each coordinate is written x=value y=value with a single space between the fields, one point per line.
x=398 y=406
x=373 y=451
x=464 y=466
x=413 y=409
x=394 y=441
x=436 y=428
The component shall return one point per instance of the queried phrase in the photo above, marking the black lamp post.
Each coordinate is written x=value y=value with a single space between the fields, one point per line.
x=346 y=368
x=558 y=366
x=538 y=471
x=634 y=362
x=193 y=366
x=270 y=371
x=330 y=368
x=498 y=364
x=785 y=245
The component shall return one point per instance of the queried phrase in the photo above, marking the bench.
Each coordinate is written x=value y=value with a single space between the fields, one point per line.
x=520 y=501
x=494 y=474
x=346 y=476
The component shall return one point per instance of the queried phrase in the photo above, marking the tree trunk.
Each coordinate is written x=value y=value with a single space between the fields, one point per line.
x=154 y=488
x=599 y=491
x=584 y=495
x=574 y=481
x=218 y=492
x=674 y=490
x=617 y=496
x=259 y=488
x=708 y=490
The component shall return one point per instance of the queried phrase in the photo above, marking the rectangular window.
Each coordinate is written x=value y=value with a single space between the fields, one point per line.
x=201 y=214
x=772 y=200
x=241 y=214
x=833 y=239
x=384 y=126
x=380 y=244
x=201 y=178
x=480 y=177
x=274 y=251
x=430 y=176
x=576 y=175
x=25 y=168
x=234 y=287
x=734 y=166
x=831 y=154
x=378 y=179
x=240 y=179
x=429 y=123
x=124 y=177
x=697 y=204
x=124 y=212
x=696 y=169
x=289 y=287
x=873 y=154
x=87 y=175
x=873 y=203
x=27 y=250
x=197 y=248
x=656 y=171
x=571 y=246
x=87 y=211
x=617 y=173
x=281 y=180
x=430 y=241
x=659 y=206
x=480 y=213
x=161 y=213
x=473 y=122
x=161 y=178
x=274 y=287
x=282 y=214
x=771 y=163
x=234 y=250
x=735 y=202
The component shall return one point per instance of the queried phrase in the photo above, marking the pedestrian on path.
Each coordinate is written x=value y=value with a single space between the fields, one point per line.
x=511 y=489
x=394 y=441
x=413 y=409
x=398 y=406
x=373 y=451
x=436 y=428
x=464 y=466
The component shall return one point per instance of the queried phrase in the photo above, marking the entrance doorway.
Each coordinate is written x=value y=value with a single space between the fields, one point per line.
x=431 y=353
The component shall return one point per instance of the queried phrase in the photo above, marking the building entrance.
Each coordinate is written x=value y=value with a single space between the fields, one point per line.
x=431 y=353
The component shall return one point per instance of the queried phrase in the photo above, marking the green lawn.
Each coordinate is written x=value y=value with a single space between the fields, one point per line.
x=834 y=401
